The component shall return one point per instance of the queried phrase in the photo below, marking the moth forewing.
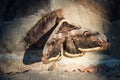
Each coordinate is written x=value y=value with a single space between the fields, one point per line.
x=51 y=39
x=43 y=26
x=92 y=41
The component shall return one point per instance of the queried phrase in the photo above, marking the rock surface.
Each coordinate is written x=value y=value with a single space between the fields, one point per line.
x=15 y=22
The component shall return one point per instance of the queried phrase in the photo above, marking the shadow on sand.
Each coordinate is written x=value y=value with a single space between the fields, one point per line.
x=32 y=55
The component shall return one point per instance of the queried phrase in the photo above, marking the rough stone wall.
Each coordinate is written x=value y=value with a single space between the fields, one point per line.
x=81 y=15
x=13 y=28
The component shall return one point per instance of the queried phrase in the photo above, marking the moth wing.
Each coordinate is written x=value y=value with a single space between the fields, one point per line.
x=45 y=24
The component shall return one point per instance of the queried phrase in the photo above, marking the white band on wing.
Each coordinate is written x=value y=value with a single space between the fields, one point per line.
x=53 y=34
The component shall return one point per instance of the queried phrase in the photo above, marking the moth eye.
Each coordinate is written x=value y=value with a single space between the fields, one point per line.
x=86 y=33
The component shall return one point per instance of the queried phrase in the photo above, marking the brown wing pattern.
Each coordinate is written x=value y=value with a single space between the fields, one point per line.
x=65 y=39
x=43 y=26
x=76 y=41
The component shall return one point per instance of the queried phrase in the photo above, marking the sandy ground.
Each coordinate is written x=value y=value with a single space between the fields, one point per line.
x=62 y=75
x=67 y=71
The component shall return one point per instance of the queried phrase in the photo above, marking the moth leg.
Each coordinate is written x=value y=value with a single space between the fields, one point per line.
x=71 y=50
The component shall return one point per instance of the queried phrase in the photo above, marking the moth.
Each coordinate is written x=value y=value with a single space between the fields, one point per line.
x=63 y=38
